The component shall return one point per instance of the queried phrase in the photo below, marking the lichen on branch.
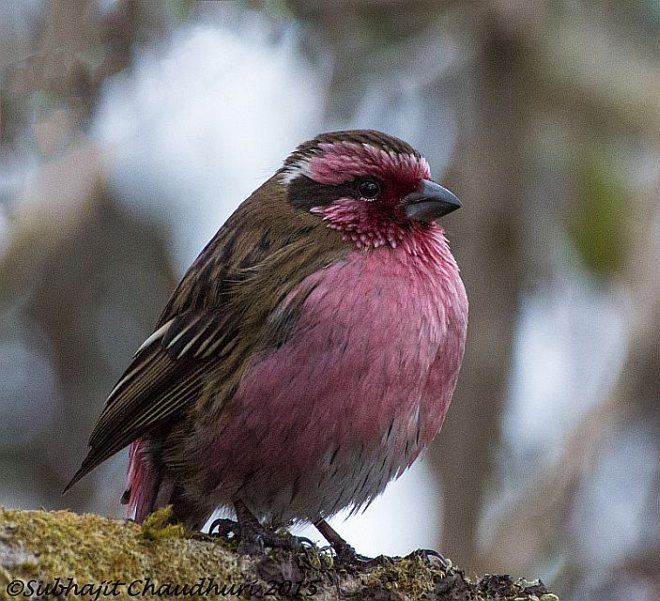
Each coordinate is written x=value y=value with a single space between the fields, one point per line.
x=93 y=557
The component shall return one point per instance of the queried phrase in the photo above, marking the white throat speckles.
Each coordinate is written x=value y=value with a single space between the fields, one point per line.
x=343 y=218
x=368 y=230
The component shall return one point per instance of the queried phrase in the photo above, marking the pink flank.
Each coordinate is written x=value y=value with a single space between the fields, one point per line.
x=360 y=388
x=142 y=482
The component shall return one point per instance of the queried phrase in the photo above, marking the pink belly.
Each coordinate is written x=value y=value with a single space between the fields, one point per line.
x=345 y=405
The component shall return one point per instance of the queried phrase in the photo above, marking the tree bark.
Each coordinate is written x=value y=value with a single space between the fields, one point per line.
x=159 y=558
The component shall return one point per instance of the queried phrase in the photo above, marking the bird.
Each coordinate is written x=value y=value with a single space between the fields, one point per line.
x=309 y=354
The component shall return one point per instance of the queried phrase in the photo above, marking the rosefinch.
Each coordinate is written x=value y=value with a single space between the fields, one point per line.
x=308 y=355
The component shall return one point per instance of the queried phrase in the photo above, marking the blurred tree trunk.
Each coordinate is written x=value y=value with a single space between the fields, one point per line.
x=618 y=98
x=89 y=279
x=485 y=240
x=535 y=524
x=83 y=278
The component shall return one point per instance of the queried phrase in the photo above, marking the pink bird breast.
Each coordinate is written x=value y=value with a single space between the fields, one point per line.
x=360 y=388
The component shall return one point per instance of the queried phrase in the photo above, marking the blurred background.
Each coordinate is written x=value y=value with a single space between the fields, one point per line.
x=129 y=131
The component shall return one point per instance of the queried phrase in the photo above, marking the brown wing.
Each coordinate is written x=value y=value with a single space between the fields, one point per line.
x=165 y=376
x=221 y=312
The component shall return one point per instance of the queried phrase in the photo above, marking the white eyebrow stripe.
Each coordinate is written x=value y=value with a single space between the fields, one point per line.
x=295 y=170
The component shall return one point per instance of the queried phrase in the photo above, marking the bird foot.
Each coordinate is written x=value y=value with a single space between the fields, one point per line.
x=223 y=528
x=254 y=539
x=348 y=557
x=219 y=528
x=431 y=557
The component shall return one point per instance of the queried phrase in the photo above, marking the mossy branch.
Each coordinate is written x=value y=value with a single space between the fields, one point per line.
x=95 y=557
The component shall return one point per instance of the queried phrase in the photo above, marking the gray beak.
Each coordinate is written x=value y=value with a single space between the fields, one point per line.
x=430 y=201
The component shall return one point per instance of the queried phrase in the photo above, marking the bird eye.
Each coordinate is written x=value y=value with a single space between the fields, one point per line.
x=368 y=188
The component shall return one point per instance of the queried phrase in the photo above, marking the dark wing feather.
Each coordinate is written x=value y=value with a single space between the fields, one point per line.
x=224 y=309
x=162 y=368
x=165 y=376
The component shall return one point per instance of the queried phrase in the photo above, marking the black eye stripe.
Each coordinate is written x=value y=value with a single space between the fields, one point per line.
x=303 y=192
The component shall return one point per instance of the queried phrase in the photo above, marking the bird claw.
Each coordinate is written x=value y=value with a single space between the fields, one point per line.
x=431 y=557
x=255 y=542
x=347 y=556
x=223 y=527
x=253 y=539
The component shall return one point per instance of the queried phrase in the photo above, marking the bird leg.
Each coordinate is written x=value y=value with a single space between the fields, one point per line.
x=253 y=537
x=346 y=554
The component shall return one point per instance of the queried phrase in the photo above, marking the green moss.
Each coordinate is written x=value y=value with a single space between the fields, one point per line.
x=412 y=577
x=91 y=548
x=29 y=567
x=41 y=545
x=160 y=525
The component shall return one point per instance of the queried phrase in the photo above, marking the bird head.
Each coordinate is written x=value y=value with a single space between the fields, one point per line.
x=373 y=188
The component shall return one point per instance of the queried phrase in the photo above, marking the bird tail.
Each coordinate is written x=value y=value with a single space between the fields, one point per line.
x=143 y=483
